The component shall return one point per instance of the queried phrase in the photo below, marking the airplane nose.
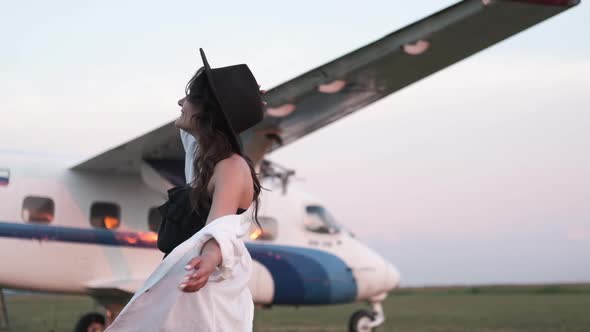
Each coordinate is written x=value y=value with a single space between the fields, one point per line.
x=392 y=277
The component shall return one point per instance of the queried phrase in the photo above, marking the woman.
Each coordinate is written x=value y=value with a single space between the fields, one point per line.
x=219 y=104
x=227 y=180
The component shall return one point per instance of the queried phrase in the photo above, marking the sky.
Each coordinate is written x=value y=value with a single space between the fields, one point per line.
x=477 y=174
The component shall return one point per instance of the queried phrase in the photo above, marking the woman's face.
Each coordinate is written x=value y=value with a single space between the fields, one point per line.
x=188 y=112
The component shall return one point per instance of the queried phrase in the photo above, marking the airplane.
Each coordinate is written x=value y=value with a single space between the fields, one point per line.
x=91 y=228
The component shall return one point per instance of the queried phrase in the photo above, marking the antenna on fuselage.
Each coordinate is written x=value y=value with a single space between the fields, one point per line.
x=273 y=170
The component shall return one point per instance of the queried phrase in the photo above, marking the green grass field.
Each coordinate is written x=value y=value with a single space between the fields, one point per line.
x=552 y=308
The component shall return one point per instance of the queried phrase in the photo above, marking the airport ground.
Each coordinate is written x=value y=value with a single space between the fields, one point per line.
x=539 y=308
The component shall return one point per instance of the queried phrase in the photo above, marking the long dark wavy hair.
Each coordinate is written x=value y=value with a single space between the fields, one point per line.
x=213 y=144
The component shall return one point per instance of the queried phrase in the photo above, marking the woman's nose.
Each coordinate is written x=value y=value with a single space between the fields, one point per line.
x=181 y=101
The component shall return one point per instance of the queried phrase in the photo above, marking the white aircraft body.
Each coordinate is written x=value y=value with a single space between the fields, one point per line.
x=91 y=228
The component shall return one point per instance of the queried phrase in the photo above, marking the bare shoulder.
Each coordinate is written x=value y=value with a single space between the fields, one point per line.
x=233 y=169
x=232 y=187
x=233 y=164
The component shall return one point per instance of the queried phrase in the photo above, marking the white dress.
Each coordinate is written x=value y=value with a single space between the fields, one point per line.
x=223 y=304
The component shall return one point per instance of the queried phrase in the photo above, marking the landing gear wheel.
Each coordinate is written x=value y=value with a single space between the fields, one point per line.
x=359 y=321
x=92 y=321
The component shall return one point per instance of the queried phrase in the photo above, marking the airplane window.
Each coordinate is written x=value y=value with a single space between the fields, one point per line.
x=319 y=220
x=105 y=215
x=269 y=229
x=38 y=209
x=154 y=219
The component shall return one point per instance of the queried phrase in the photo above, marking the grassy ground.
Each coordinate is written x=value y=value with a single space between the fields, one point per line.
x=474 y=309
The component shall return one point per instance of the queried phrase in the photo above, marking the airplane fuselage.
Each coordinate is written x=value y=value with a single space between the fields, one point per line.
x=69 y=252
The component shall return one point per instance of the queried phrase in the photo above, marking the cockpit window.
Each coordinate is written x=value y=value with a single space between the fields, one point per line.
x=319 y=220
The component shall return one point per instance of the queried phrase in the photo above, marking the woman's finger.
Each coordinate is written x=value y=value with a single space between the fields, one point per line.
x=188 y=285
x=193 y=286
x=189 y=277
x=189 y=289
x=193 y=263
x=202 y=280
x=194 y=276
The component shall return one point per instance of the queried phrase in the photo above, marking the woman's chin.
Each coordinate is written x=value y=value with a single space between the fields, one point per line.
x=183 y=127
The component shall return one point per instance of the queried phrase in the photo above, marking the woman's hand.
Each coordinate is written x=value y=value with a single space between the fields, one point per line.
x=200 y=268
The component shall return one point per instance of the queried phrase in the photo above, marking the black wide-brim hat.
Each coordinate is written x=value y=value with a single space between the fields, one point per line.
x=238 y=96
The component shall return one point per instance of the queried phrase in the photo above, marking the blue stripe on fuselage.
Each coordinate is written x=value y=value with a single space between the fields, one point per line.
x=304 y=275
x=301 y=275
x=78 y=235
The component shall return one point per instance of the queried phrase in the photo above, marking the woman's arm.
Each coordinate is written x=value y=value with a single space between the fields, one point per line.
x=228 y=189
